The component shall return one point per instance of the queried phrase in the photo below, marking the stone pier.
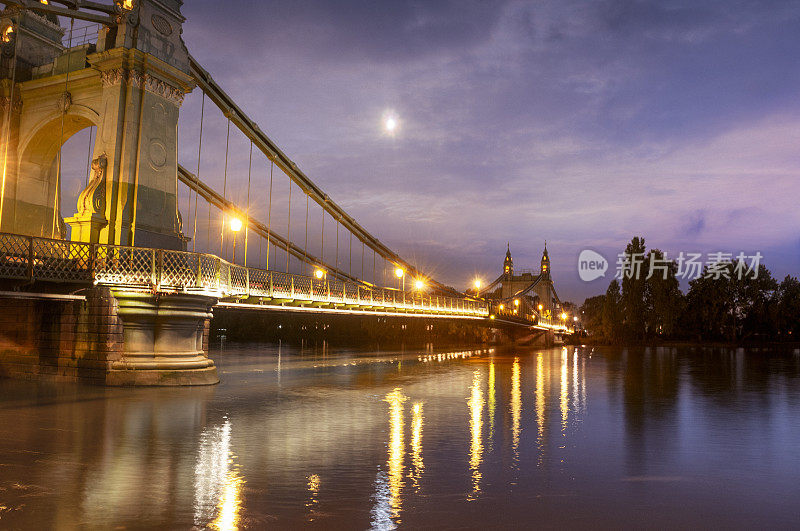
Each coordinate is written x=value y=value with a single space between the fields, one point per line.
x=107 y=338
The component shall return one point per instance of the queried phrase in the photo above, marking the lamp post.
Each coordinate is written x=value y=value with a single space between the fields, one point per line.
x=477 y=284
x=401 y=276
x=236 y=226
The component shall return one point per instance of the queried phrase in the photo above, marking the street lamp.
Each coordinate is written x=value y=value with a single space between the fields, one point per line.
x=319 y=273
x=516 y=302
x=477 y=284
x=419 y=284
x=236 y=226
x=401 y=275
x=564 y=316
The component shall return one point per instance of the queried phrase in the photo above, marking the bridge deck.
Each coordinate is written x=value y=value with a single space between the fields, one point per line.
x=165 y=271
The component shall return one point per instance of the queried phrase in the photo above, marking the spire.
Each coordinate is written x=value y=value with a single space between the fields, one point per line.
x=545 y=259
x=508 y=263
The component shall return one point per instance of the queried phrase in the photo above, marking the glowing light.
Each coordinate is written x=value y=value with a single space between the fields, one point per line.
x=516 y=302
x=396 y=450
x=541 y=307
x=319 y=273
x=491 y=317
x=564 y=316
x=8 y=33
x=127 y=5
x=45 y=2
x=477 y=283
x=540 y=406
x=236 y=224
x=390 y=124
x=475 y=404
x=399 y=272
x=314 y=482
x=419 y=284
x=491 y=405
x=230 y=503
x=502 y=307
x=575 y=318
x=564 y=395
x=516 y=408
x=416 y=443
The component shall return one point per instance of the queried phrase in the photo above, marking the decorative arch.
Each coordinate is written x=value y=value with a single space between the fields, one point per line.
x=37 y=194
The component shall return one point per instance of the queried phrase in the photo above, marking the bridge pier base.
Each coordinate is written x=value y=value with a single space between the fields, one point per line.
x=165 y=340
x=105 y=337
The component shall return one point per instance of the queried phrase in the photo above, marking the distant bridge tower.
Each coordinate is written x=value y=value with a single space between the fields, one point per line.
x=130 y=86
x=508 y=263
x=538 y=288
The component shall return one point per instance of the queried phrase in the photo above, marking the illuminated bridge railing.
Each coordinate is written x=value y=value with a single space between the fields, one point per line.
x=43 y=259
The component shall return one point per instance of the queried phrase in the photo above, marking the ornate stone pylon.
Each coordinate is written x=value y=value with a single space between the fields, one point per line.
x=130 y=86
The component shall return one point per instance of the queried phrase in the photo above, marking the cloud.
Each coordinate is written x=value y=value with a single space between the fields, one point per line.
x=582 y=123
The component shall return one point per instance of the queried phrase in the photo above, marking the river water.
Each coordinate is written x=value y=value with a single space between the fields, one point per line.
x=575 y=436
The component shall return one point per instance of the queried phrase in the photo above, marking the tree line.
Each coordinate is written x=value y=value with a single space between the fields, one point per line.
x=720 y=305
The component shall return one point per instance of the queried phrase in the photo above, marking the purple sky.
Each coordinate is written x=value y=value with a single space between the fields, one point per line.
x=583 y=123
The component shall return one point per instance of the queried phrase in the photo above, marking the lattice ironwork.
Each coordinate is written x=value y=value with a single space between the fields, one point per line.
x=60 y=260
x=25 y=257
x=302 y=287
x=14 y=256
x=351 y=293
x=259 y=283
x=179 y=269
x=238 y=280
x=319 y=289
x=281 y=284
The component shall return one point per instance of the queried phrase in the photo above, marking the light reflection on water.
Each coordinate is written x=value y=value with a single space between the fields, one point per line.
x=540 y=407
x=383 y=440
x=516 y=409
x=475 y=404
x=218 y=483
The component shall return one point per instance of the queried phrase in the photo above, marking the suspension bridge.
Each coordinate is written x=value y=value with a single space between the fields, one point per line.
x=121 y=290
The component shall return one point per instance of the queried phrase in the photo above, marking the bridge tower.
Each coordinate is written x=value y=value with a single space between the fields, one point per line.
x=544 y=288
x=542 y=283
x=130 y=86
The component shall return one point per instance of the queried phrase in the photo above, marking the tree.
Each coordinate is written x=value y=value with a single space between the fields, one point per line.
x=634 y=288
x=663 y=298
x=612 y=324
x=592 y=315
x=721 y=305
x=788 y=308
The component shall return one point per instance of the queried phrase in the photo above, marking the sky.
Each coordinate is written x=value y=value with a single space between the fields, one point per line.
x=580 y=123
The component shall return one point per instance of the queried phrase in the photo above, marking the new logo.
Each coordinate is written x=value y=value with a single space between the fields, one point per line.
x=591 y=265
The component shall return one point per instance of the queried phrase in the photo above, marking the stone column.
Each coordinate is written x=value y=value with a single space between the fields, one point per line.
x=164 y=340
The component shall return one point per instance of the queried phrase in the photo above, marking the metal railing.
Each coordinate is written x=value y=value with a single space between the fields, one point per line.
x=43 y=259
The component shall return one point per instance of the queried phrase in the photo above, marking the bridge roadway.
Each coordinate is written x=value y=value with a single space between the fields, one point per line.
x=33 y=259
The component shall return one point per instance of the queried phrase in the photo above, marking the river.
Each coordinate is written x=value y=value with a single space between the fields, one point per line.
x=576 y=437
